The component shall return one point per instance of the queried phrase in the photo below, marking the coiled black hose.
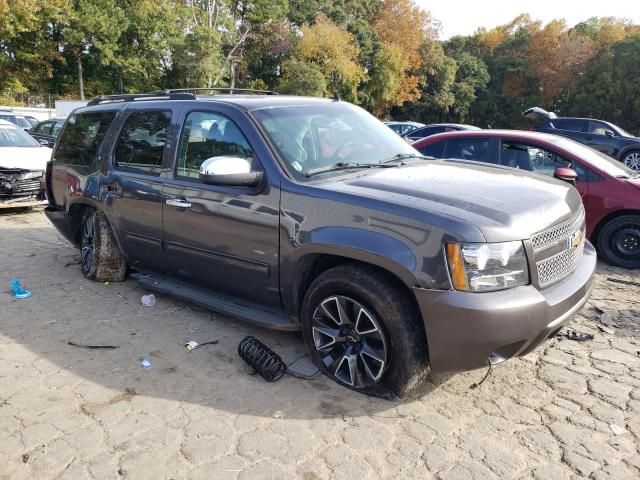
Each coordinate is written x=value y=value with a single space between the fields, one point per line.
x=262 y=359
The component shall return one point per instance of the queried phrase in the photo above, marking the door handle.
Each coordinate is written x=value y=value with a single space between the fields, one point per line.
x=178 y=203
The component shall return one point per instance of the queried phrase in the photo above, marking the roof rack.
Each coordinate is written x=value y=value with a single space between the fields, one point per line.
x=220 y=89
x=140 y=96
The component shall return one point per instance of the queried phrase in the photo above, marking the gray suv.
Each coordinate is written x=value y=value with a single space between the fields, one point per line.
x=309 y=214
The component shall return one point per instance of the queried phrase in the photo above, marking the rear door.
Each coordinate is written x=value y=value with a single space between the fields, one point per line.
x=480 y=149
x=573 y=128
x=135 y=183
x=221 y=237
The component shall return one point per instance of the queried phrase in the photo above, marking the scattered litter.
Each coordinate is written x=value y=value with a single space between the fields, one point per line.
x=608 y=330
x=576 y=336
x=18 y=291
x=617 y=429
x=148 y=300
x=146 y=363
x=106 y=284
x=192 y=344
x=94 y=347
x=49 y=322
x=623 y=282
x=278 y=414
x=25 y=457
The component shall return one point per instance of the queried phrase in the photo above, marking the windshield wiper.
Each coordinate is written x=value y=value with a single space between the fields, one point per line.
x=403 y=156
x=346 y=166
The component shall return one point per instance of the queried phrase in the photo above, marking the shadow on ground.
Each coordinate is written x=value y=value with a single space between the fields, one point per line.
x=66 y=307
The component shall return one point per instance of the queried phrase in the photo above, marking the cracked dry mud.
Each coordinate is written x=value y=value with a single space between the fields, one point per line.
x=568 y=410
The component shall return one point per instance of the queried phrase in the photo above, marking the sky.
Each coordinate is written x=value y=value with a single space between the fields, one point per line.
x=463 y=17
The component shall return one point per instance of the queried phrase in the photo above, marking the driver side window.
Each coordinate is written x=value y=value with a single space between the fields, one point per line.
x=207 y=135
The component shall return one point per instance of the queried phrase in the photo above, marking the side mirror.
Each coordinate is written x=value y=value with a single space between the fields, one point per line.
x=43 y=142
x=566 y=174
x=229 y=171
x=609 y=133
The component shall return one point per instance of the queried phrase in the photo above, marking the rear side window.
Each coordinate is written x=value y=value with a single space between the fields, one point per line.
x=140 y=146
x=434 y=150
x=43 y=128
x=82 y=136
x=478 y=149
x=572 y=124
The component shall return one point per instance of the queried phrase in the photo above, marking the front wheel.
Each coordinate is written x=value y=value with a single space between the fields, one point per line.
x=632 y=160
x=100 y=256
x=619 y=241
x=363 y=332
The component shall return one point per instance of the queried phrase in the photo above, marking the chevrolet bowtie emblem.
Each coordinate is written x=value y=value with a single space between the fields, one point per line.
x=576 y=239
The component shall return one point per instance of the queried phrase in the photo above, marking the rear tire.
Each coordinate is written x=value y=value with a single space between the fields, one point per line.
x=619 y=241
x=632 y=160
x=364 y=333
x=100 y=257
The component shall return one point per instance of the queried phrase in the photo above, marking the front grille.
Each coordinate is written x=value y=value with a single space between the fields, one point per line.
x=27 y=185
x=560 y=265
x=557 y=233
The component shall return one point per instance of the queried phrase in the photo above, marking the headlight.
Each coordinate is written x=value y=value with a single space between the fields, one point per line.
x=483 y=267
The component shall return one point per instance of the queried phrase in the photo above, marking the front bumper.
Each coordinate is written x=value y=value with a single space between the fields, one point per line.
x=464 y=330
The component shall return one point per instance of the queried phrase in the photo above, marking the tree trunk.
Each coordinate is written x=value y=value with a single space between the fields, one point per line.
x=232 y=83
x=80 y=81
x=120 y=83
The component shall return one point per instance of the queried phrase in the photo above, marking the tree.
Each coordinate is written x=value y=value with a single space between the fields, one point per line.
x=301 y=78
x=334 y=51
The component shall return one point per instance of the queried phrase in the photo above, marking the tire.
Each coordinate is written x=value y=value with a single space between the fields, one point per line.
x=632 y=160
x=619 y=241
x=100 y=257
x=378 y=346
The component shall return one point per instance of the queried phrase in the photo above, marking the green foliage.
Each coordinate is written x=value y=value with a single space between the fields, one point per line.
x=382 y=54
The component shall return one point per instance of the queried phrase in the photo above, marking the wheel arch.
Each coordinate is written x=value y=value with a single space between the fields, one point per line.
x=627 y=149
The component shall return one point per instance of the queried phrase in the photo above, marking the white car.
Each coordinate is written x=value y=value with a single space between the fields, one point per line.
x=23 y=162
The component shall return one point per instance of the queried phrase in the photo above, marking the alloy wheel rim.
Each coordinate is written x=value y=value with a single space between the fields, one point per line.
x=350 y=341
x=626 y=241
x=633 y=161
x=87 y=251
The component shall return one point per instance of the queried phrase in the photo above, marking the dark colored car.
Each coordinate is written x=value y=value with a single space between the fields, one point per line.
x=15 y=118
x=610 y=191
x=402 y=128
x=432 y=129
x=309 y=214
x=603 y=136
x=46 y=132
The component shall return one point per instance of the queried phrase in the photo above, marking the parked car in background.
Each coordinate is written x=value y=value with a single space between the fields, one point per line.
x=309 y=214
x=603 y=136
x=434 y=128
x=610 y=191
x=32 y=120
x=402 y=128
x=22 y=165
x=15 y=118
x=46 y=132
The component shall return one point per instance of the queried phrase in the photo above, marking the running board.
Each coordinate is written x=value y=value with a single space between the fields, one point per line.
x=212 y=301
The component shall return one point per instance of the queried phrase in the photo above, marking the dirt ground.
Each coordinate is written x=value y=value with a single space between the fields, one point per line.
x=569 y=410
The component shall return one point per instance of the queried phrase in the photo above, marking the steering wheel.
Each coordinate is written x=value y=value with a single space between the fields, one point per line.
x=336 y=157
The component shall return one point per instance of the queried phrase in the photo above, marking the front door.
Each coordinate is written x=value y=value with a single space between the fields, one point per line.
x=224 y=238
x=597 y=138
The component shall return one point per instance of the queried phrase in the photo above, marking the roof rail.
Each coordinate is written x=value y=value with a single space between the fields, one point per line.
x=220 y=89
x=140 y=97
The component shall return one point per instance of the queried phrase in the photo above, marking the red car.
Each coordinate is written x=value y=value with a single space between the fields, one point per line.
x=610 y=191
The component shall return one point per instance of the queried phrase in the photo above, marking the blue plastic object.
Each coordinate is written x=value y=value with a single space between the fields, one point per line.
x=18 y=291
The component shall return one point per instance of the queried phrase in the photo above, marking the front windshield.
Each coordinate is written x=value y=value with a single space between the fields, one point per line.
x=313 y=137
x=624 y=133
x=595 y=158
x=14 y=137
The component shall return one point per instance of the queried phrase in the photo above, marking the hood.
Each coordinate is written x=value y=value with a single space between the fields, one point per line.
x=503 y=203
x=25 y=158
